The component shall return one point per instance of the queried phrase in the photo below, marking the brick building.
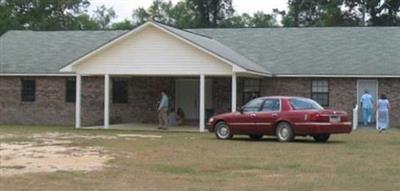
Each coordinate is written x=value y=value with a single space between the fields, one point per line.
x=106 y=77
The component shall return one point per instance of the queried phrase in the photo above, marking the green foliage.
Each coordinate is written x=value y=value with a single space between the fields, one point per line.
x=123 y=25
x=341 y=13
x=379 y=12
x=103 y=16
x=72 y=14
x=258 y=20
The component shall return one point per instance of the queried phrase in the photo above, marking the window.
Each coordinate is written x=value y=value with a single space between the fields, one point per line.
x=320 y=92
x=251 y=89
x=272 y=105
x=120 y=91
x=304 y=104
x=253 y=105
x=70 y=94
x=28 y=90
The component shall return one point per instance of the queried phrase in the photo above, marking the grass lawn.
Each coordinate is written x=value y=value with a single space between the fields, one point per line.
x=364 y=160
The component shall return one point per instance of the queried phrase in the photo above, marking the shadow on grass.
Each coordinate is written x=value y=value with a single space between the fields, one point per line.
x=274 y=140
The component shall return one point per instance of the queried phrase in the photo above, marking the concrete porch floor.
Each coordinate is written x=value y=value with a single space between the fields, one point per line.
x=148 y=127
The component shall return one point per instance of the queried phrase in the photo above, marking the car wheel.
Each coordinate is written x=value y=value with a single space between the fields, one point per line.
x=256 y=137
x=322 y=138
x=284 y=132
x=222 y=131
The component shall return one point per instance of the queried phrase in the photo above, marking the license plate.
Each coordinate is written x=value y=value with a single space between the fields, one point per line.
x=334 y=119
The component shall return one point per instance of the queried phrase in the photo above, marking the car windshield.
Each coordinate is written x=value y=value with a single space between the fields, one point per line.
x=305 y=104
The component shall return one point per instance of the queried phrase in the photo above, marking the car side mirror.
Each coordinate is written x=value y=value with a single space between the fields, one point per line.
x=241 y=110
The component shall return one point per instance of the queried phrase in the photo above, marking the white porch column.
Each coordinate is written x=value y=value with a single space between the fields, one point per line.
x=78 y=87
x=106 y=101
x=234 y=91
x=202 y=103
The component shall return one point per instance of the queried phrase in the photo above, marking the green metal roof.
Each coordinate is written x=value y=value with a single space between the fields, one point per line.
x=317 y=51
x=28 y=52
x=281 y=51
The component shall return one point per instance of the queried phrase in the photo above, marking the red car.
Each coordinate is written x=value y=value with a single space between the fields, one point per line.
x=284 y=117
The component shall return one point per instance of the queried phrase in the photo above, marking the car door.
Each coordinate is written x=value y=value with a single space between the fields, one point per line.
x=244 y=121
x=266 y=118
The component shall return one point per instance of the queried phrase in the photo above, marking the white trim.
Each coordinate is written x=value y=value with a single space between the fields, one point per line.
x=336 y=76
x=106 y=101
x=40 y=75
x=258 y=73
x=202 y=103
x=78 y=101
x=234 y=93
x=355 y=117
x=156 y=75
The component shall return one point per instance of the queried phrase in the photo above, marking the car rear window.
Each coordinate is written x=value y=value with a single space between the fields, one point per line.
x=304 y=104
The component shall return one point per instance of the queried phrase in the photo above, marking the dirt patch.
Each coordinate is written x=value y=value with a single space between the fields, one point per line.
x=50 y=153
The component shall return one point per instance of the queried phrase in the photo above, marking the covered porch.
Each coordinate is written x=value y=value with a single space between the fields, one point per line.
x=99 y=98
x=153 y=50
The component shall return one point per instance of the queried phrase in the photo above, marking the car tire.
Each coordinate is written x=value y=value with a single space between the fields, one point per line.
x=321 y=138
x=222 y=131
x=256 y=137
x=284 y=132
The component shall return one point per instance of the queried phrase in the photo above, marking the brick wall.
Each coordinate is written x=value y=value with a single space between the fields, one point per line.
x=391 y=87
x=342 y=92
x=49 y=108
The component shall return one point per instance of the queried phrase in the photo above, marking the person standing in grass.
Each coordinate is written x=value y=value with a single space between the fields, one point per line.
x=367 y=106
x=163 y=111
x=383 y=107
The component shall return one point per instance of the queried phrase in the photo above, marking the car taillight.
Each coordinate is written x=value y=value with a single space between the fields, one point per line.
x=315 y=117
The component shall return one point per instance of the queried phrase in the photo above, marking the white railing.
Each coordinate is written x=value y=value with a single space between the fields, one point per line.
x=355 y=117
x=377 y=119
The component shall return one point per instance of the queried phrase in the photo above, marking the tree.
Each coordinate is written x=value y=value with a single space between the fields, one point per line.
x=42 y=14
x=258 y=20
x=140 y=15
x=313 y=13
x=237 y=21
x=123 y=25
x=7 y=20
x=211 y=13
x=85 y=22
x=182 y=16
x=261 y=19
x=379 y=12
x=103 y=16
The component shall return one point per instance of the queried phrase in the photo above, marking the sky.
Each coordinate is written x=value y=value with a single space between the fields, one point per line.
x=124 y=8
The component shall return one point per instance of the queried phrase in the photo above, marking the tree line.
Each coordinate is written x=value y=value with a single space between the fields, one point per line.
x=74 y=14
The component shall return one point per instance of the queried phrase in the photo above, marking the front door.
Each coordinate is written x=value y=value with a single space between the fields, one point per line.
x=187 y=97
x=372 y=87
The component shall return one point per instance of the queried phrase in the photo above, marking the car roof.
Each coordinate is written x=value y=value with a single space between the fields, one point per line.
x=282 y=97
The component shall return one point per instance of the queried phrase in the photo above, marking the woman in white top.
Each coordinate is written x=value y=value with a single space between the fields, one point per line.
x=383 y=107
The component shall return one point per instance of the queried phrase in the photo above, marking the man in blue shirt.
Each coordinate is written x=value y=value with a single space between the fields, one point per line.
x=163 y=111
x=367 y=106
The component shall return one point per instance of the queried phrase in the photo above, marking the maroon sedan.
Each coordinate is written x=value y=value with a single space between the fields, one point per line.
x=284 y=117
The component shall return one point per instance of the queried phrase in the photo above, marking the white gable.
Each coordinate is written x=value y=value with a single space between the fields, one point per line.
x=152 y=51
